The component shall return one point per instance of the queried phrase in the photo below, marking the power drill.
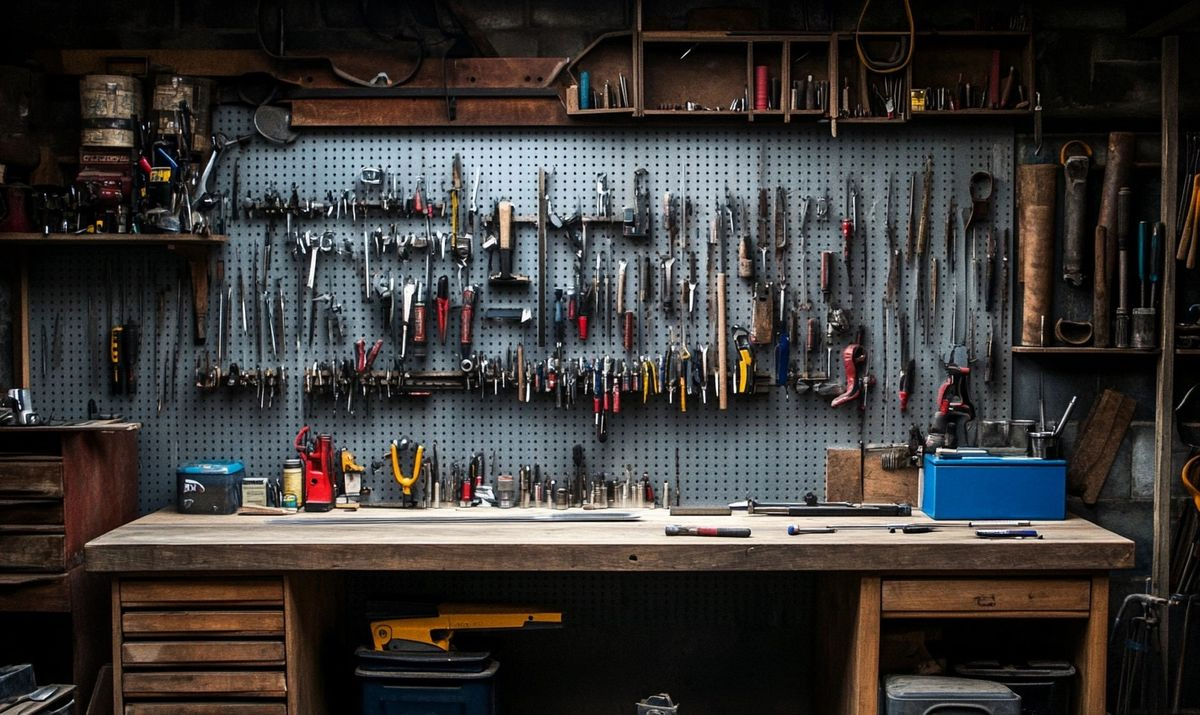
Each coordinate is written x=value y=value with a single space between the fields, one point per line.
x=320 y=476
x=954 y=402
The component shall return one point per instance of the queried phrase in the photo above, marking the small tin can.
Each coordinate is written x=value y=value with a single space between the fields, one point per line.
x=293 y=484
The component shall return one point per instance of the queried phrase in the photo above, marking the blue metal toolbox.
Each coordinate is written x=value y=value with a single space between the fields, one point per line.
x=986 y=487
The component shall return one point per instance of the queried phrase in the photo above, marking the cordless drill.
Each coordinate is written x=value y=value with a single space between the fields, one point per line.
x=320 y=477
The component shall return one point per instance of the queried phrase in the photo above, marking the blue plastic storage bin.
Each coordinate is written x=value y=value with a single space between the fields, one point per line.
x=986 y=487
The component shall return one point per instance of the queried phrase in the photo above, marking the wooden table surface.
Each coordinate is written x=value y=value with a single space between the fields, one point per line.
x=394 y=540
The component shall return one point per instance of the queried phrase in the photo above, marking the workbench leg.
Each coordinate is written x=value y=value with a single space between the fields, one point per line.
x=849 y=631
x=1092 y=658
x=118 y=638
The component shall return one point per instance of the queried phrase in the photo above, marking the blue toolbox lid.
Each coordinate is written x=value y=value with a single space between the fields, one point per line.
x=216 y=466
x=987 y=460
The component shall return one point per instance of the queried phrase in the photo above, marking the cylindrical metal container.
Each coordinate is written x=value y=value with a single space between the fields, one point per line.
x=108 y=104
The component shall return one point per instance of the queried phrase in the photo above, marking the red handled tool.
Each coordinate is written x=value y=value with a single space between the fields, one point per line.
x=320 y=483
x=442 y=303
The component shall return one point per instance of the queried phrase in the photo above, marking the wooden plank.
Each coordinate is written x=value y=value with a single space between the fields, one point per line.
x=372 y=540
x=865 y=672
x=45 y=593
x=40 y=552
x=985 y=595
x=1099 y=440
x=213 y=684
x=30 y=477
x=261 y=591
x=1091 y=660
x=178 y=708
x=844 y=636
x=230 y=623
x=15 y=513
x=118 y=638
x=100 y=468
x=202 y=652
x=313 y=622
x=882 y=486
x=430 y=112
x=1164 y=395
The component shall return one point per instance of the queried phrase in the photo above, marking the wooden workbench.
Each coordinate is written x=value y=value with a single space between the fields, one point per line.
x=234 y=577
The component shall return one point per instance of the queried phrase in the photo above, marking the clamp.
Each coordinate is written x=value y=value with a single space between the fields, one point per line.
x=745 y=374
x=407 y=447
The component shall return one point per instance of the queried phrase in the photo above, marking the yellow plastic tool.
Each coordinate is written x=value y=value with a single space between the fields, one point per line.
x=407 y=480
x=437 y=629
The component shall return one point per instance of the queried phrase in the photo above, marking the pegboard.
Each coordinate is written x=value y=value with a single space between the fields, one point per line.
x=767 y=446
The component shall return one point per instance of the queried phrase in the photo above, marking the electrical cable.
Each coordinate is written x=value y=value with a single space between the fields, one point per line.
x=903 y=47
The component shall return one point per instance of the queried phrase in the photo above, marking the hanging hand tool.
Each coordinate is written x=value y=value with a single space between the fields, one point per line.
x=783 y=354
x=910 y=250
x=908 y=365
x=954 y=402
x=666 y=290
x=721 y=381
x=744 y=383
x=456 y=181
x=466 y=316
x=442 y=307
x=764 y=227
x=826 y=277
x=745 y=248
x=951 y=230
x=420 y=336
x=805 y=300
x=636 y=218
x=854 y=358
x=670 y=211
x=848 y=219
x=507 y=248
x=762 y=323
x=401 y=452
x=780 y=226
x=626 y=315
x=926 y=205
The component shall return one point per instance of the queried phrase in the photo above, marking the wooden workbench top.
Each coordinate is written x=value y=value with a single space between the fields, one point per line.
x=394 y=540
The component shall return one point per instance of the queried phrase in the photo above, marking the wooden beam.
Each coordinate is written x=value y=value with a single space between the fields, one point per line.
x=1171 y=23
x=1164 y=414
x=429 y=112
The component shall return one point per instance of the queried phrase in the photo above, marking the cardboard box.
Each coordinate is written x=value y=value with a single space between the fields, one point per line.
x=986 y=487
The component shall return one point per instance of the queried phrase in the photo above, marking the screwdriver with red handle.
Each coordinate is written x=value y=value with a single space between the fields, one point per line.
x=907 y=365
x=442 y=302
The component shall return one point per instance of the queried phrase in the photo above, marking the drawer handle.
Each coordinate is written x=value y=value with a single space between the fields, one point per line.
x=987 y=600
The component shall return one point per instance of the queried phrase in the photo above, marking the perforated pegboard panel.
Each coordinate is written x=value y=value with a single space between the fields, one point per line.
x=767 y=446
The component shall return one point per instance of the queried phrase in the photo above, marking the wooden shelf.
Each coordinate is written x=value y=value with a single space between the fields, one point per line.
x=1187 y=352
x=1068 y=350
x=113 y=239
x=951 y=113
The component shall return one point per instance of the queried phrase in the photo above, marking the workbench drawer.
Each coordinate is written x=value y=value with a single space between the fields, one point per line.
x=36 y=592
x=23 y=512
x=186 y=652
x=244 y=592
x=174 y=708
x=33 y=552
x=31 y=476
x=235 y=624
x=910 y=598
x=209 y=684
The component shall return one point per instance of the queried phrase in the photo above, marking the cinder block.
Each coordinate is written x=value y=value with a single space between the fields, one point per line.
x=1143 y=458
x=561 y=44
x=1081 y=15
x=1119 y=484
x=515 y=43
x=493 y=16
x=591 y=18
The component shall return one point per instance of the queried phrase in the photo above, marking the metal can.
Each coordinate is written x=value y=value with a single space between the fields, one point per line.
x=293 y=484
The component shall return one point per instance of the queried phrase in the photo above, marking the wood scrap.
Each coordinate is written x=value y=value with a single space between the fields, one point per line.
x=1099 y=440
